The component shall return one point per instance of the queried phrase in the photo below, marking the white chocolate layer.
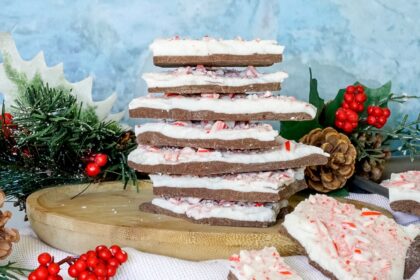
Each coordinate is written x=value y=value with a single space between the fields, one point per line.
x=209 y=130
x=262 y=182
x=264 y=264
x=191 y=76
x=209 y=46
x=148 y=155
x=350 y=243
x=197 y=208
x=251 y=104
x=403 y=186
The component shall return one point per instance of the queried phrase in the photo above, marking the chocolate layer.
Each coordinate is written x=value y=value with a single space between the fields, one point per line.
x=231 y=276
x=150 y=208
x=160 y=140
x=230 y=194
x=220 y=167
x=218 y=60
x=406 y=206
x=194 y=89
x=205 y=115
x=412 y=259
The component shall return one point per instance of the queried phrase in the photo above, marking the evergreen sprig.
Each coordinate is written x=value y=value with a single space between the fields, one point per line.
x=53 y=136
x=9 y=271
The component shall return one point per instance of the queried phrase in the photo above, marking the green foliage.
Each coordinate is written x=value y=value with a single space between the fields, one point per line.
x=53 y=137
x=9 y=271
x=295 y=130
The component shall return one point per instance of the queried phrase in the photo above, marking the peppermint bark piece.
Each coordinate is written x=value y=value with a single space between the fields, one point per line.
x=217 y=213
x=201 y=162
x=260 y=264
x=404 y=192
x=208 y=51
x=347 y=243
x=210 y=135
x=269 y=186
x=212 y=107
x=193 y=80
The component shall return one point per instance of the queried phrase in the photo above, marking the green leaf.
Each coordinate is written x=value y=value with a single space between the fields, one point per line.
x=377 y=96
x=295 y=130
x=343 y=192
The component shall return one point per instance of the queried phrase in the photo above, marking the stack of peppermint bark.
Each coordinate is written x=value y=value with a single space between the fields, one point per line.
x=210 y=157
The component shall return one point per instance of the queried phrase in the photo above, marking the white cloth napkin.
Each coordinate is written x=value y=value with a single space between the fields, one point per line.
x=144 y=266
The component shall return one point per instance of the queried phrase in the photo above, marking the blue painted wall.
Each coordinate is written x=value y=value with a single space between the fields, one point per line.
x=371 y=41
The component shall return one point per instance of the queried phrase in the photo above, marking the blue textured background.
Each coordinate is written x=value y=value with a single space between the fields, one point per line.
x=343 y=41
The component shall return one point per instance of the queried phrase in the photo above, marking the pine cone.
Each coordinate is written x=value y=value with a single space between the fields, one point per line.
x=7 y=236
x=371 y=167
x=341 y=164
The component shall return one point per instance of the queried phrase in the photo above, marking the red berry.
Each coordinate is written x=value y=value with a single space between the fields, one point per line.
x=105 y=254
x=386 y=112
x=340 y=115
x=100 y=270
x=360 y=97
x=354 y=124
x=72 y=271
x=32 y=276
x=83 y=275
x=101 y=159
x=339 y=124
x=83 y=257
x=354 y=105
x=90 y=253
x=92 y=169
x=377 y=111
x=113 y=262
x=53 y=269
x=370 y=110
x=58 y=277
x=350 y=89
x=346 y=105
x=371 y=120
x=360 y=89
x=52 y=277
x=91 y=276
x=92 y=262
x=44 y=258
x=111 y=270
x=114 y=249
x=102 y=278
x=360 y=107
x=80 y=265
x=381 y=120
x=121 y=256
x=352 y=116
x=378 y=125
x=41 y=273
x=348 y=97
x=100 y=247
x=347 y=127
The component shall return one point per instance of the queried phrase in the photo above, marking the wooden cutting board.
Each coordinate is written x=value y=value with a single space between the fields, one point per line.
x=107 y=214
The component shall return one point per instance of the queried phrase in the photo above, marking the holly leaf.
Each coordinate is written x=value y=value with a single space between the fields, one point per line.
x=295 y=130
x=377 y=96
x=343 y=192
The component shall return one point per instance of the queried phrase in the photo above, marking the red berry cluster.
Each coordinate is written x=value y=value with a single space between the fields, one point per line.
x=354 y=98
x=6 y=123
x=47 y=269
x=100 y=264
x=346 y=117
x=93 y=168
x=377 y=116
